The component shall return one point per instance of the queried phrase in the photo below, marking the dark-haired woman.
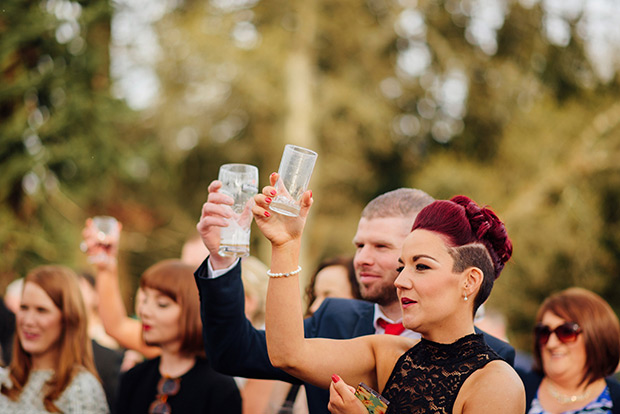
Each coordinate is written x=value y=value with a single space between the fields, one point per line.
x=334 y=278
x=449 y=263
x=576 y=347
x=179 y=380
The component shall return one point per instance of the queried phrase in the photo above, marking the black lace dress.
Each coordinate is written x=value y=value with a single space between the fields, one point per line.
x=427 y=378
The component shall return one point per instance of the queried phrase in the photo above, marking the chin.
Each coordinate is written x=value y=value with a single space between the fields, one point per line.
x=151 y=342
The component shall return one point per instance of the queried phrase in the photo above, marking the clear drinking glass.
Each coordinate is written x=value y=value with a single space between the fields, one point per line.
x=239 y=181
x=295 y=171
x=107 y=233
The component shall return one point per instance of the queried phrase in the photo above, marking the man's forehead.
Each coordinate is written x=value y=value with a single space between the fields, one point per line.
x=393 y=229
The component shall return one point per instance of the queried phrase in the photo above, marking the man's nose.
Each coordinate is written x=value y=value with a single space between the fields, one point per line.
x=363 y=256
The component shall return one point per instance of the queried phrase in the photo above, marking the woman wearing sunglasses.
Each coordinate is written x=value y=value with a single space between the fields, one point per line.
x=576 y=347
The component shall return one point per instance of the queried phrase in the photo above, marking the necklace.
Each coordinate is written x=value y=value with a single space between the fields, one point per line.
x=566 y=399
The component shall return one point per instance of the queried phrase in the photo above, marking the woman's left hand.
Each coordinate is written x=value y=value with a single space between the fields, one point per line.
x=342 y=399
x=278 y=228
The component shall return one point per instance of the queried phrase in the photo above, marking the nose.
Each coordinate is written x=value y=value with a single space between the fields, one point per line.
x=144 y=309
x=363 y=257
x=25 y=318
x=402 y=281
x=553 y=341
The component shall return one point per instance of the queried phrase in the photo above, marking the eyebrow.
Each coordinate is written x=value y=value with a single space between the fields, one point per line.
x=420 y=256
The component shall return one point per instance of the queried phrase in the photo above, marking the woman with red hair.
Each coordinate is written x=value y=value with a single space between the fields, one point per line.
x=52 y=368
x=449 y=263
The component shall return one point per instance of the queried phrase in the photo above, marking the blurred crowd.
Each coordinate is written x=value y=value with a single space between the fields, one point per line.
x=195 y=341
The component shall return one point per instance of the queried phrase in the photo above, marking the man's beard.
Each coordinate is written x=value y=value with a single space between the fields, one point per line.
x=383 y=295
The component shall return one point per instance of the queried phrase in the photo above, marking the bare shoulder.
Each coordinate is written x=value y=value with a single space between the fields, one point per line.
x=494 y=388
x=387 y=349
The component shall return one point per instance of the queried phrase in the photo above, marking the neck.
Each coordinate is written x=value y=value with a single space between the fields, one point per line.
x=45 y=361
x=392 y=311
x=175 y=364
x=570 y=386
x=573 y=393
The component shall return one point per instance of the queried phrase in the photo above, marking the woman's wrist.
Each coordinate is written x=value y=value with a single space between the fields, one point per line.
x=285 y=257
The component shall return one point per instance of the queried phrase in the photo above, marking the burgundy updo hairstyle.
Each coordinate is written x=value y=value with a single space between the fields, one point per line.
x=475 y=236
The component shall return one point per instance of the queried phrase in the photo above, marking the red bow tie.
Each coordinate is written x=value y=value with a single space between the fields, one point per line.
x=391 y=328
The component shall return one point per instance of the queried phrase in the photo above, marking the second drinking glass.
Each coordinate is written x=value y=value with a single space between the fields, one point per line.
x=295 y=171
x=239 y=181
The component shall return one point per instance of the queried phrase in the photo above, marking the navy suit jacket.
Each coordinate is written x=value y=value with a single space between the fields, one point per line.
x=234 y=347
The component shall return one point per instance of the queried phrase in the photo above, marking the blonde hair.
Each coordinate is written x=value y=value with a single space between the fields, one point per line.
x=253 y=274
x=75 y=350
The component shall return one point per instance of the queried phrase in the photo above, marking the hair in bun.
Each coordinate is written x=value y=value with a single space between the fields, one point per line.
x=467 y=227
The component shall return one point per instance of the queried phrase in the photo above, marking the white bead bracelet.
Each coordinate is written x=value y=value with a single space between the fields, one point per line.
x=294 y=272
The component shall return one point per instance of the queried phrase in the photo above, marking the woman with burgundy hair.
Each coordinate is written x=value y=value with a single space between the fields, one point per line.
x=449 y=263
x=576 y=349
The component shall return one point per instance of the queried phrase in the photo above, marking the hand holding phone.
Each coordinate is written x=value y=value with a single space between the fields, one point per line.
x=374 y=402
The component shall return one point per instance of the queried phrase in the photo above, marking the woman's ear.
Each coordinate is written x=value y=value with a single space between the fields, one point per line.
x=473 y=280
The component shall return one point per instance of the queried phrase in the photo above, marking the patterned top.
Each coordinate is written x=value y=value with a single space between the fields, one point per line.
x=427 y=378
x=83 y=395
x=602 y=405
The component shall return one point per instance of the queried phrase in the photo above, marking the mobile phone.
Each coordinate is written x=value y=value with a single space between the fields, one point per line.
x=374 y=402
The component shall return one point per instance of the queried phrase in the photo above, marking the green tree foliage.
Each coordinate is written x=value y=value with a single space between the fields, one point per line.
x=59 y=141
x=389 y=93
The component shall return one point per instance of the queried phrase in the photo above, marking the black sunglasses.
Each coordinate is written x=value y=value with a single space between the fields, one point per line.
x=567 y=332
x=166 y=387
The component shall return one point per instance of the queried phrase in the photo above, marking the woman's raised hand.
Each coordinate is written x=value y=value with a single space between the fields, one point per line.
x=278 y=228
x=102 y=253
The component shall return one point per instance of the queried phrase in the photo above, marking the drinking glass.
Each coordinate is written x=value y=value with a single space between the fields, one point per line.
x=107 y=233
x=295 y=171
x=239 y=181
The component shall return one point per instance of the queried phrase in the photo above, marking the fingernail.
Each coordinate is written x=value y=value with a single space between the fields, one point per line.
x=272 y=174
x=267 y=214
x=310 y=193
x=272 y=192
x=335 y=378
x=267 y=200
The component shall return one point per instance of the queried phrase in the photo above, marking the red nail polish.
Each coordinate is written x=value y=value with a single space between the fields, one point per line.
x=310 y=193
x=267 y=200
x=335 y=378
x=271 y=175
x=267 y=214
x=272 y=192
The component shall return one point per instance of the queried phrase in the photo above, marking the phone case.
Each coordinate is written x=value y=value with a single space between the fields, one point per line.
x=374 y=402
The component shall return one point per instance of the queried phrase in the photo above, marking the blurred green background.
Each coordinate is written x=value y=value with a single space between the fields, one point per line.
x=128 y=108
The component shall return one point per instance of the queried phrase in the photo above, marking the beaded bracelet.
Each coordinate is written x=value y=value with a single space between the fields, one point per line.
x=294 y=272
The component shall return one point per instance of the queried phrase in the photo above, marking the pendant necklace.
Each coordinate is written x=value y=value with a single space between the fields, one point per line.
x=566 y=399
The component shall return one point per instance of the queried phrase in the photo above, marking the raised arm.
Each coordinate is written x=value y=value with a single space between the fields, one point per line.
x=232 y=344
x=125 y=330
x=313 y=360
